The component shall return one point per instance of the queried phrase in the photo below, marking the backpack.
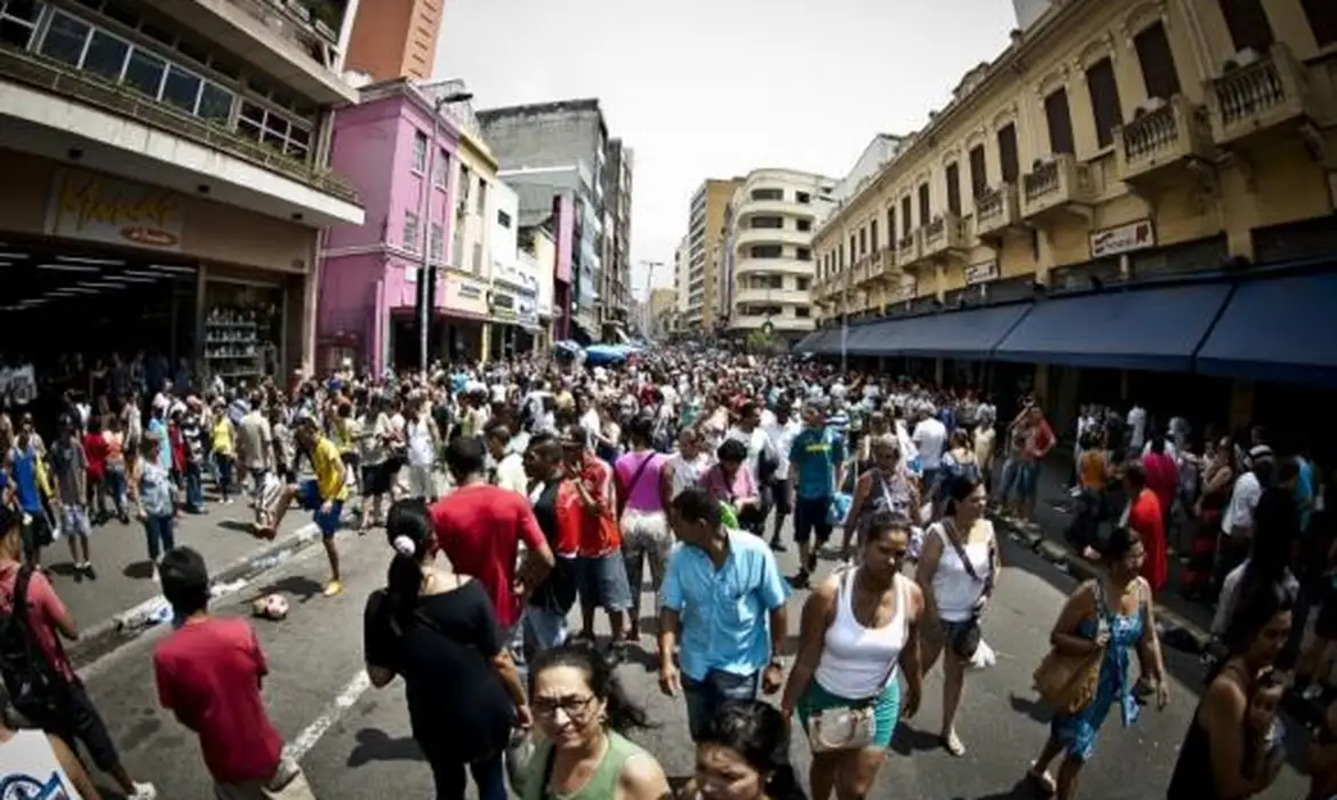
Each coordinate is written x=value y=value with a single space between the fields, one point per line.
x=36 y=689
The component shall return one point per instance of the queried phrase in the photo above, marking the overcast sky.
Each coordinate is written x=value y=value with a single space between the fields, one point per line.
x=715 y=88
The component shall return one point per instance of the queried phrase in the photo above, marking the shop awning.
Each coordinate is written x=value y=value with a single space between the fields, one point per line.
x=818 y=342
x=805 y=345
x=1154 y=328
x=1277 y=329
x=967 y=334
x=870 y=339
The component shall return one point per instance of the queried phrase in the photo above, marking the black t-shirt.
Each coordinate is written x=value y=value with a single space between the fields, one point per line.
x=448 y=644
x=557 y=592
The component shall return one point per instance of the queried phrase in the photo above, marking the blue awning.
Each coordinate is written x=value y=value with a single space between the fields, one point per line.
x=1277 y=329
x=805 y=345
x=967 y=334
x=1153 y=328
x=863 y=339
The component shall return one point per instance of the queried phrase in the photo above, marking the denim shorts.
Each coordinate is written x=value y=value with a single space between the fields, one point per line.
x=705 y=697
x=309 y=495
x=1028 y=477
x=602 y=582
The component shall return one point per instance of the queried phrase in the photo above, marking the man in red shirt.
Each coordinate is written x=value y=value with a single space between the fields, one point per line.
x=64 y=709
x=586 y=502
x=209 y=673
x=1145 y=517
x=481 y=527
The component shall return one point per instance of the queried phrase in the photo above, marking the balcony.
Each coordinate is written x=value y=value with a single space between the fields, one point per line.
x=909 y=249
x=859 y=274
x=1155 y=144
x=945 y=236
x=772 y=296
x=997 y=211
x=753 y=236
x=1250 y=100
x=1060 y=186
x=883 y=263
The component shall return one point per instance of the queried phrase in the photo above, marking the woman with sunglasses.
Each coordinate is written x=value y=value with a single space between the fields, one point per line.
x=582 y=715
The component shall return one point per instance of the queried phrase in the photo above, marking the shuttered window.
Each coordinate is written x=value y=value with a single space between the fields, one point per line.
x=954 y=188
x=1322 y=15
x=1007 y=152
x=1104 y=90
x=1248 y=24
x=1059 y=120
x=891 y=226
x=925 y=208
x=1158 y=62
x=872 y=235
x=905 y=216
x=979 y=173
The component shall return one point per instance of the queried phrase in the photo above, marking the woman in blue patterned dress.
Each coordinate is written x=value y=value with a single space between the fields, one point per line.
x=1115 y=613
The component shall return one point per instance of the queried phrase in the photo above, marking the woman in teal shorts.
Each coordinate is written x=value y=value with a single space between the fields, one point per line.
x=858 y=638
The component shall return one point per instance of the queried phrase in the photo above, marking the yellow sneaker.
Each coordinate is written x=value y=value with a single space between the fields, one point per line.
x=332 y=588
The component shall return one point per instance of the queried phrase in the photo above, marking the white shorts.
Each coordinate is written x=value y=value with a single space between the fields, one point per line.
x=421 y=482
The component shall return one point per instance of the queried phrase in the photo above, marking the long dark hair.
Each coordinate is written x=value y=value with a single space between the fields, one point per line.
x=622 y=715
x=1255 y=606
x=758 y=733
x=407 y=521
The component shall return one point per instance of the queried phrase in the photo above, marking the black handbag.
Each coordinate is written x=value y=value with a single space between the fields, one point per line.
x=966 y=636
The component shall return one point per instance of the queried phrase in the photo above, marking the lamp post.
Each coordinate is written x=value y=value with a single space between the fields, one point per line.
x=426 y=278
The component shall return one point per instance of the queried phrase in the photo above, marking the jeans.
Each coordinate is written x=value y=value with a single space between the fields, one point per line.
x=116 y=488
x=544 y=628
x=706 y=697
x=160 y=530
x=451 y=781
x=223 y=473
x=194 y=488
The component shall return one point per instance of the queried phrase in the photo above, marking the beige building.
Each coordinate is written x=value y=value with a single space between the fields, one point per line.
x=703 y=306
x=766 y=279
x=661 y=307
x=1111 y=140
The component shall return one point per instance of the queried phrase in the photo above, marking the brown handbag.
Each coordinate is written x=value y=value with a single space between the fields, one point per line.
x=1068 y=682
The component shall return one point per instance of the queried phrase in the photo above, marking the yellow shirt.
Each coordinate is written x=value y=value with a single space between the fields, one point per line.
x=329 y=469
x=223 y=437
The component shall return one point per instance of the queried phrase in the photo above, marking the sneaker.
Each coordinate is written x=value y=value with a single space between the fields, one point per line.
x=88 y=571
x=799 y=580
x=156 y=578
x=143 y=791
x=332 y=588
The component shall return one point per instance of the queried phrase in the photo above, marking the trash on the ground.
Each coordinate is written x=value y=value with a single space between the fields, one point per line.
x=221 y=589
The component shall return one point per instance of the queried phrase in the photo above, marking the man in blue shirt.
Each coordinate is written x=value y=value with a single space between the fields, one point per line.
x=815 y=459
x=723 y=604
x=21 y=467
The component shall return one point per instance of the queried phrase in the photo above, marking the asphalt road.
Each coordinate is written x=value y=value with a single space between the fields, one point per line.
x=353 y=741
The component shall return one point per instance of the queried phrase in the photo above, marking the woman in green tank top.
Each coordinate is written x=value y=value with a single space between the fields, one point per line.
x=581 y=713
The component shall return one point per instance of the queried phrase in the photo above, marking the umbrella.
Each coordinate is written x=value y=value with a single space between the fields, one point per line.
x=601 y=354
x=569 y=347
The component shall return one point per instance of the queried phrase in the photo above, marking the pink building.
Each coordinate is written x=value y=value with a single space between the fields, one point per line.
x=399 y=153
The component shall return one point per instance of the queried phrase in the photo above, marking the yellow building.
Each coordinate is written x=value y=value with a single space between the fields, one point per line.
x=1113 y=142
x=705 y=241
x=662 y=305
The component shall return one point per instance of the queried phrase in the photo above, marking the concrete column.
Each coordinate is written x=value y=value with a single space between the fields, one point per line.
x=485 y=342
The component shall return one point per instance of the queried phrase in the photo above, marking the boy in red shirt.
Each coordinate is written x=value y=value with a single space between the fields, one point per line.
x=209 y=673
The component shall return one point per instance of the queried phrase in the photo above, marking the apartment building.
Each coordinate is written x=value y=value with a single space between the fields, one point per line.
x=704 y=309
x=1122 y=198
x=768 y=265
x=616 y=291
x=393 y=38
x=165 y=178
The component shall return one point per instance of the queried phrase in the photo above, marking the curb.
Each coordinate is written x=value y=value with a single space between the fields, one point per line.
x=1060 y=555
x=108 y=635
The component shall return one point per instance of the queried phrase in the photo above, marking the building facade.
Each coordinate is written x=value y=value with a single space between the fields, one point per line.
x=428 y=185
x=561 y=149
x=616 y=291
x=1109 y=148
x=768 y=262
x=701 y=284
x=176 y=151
x=537 y=255
x=515 y=284
x=661 y=309
x=393 y=38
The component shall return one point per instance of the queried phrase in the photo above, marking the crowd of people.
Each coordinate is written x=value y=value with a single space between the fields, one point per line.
x=562 y=482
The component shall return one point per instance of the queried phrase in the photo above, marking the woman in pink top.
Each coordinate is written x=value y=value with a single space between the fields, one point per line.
x=730 y=482
x=643 y=491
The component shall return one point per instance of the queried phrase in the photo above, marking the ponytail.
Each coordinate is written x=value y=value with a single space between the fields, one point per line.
x=409 y=529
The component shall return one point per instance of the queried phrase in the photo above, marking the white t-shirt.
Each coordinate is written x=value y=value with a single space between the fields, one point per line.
x=31 y=769
x=782 y=438
x=1243 y=502
x=421 y=450
x=1137 y=423
x=930 y=437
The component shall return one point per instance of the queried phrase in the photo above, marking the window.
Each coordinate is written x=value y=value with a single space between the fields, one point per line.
x=804 y=284
x=410 y=232
x=18 y=21
x=803 y=254
x=419 y=152
x=768 y=194
x=441 y=169
x=803 y=224
x=1007 y=153
x=436 y=243
x=1060 y=122
x=1105 y=108
x=466 y=184
x=1322 y=16
x=905 y=217
x=766 y=251
x=1248 y=24
x=106 y=56
x=925 y=207
x=216 y=104
x=181 y=89
x=854 y=248
x=65 y=39
x=979 y=171
x=863 y=241
x=145 y=72
x=767 y=222
x=503 y=219
x=872 y=235
x=954 y=188
x=802 y=197
x=1158 y=63
x=482 y=197
x=802 y=312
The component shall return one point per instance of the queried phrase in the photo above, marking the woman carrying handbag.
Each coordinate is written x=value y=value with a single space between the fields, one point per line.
x=858 y=631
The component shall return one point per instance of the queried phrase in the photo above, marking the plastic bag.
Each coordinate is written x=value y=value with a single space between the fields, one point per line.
x=984 y=656
x=840 y=509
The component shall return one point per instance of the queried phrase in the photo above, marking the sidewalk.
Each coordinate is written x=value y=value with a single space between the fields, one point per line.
x=1045 y=536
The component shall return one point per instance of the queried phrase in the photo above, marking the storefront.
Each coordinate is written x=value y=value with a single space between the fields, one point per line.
x=104 y=265
x=528 y=334
x=466 y=317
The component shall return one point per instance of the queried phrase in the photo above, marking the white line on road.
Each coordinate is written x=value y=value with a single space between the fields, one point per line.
x=302 y=744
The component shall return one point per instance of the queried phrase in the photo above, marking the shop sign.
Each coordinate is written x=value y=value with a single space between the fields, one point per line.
x=502 y=305
x=981 y=273
x=1136 y=235
x=466 y=295
x=93 y=207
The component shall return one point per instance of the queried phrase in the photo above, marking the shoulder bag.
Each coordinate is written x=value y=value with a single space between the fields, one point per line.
x=966 y=640
x=854 y=726
x=1068 y=682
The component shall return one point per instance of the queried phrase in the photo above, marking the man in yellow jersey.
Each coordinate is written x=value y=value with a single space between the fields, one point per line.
x=323 y=495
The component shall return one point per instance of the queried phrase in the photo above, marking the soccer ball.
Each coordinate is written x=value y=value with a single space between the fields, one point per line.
x=271 y=606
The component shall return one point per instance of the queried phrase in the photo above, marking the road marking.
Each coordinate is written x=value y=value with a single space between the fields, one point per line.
x=302 y=744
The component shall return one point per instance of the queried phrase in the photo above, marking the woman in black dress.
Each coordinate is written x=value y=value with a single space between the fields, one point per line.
x=439 y=632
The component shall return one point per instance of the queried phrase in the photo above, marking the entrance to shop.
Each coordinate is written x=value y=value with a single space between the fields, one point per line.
x=243 y=330
x=405 y=344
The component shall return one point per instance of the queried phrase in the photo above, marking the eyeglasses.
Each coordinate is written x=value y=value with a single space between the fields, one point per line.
x=576 y=708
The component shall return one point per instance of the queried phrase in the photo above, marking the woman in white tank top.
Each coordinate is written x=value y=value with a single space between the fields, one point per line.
x=858 y=637
x=957 y=590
